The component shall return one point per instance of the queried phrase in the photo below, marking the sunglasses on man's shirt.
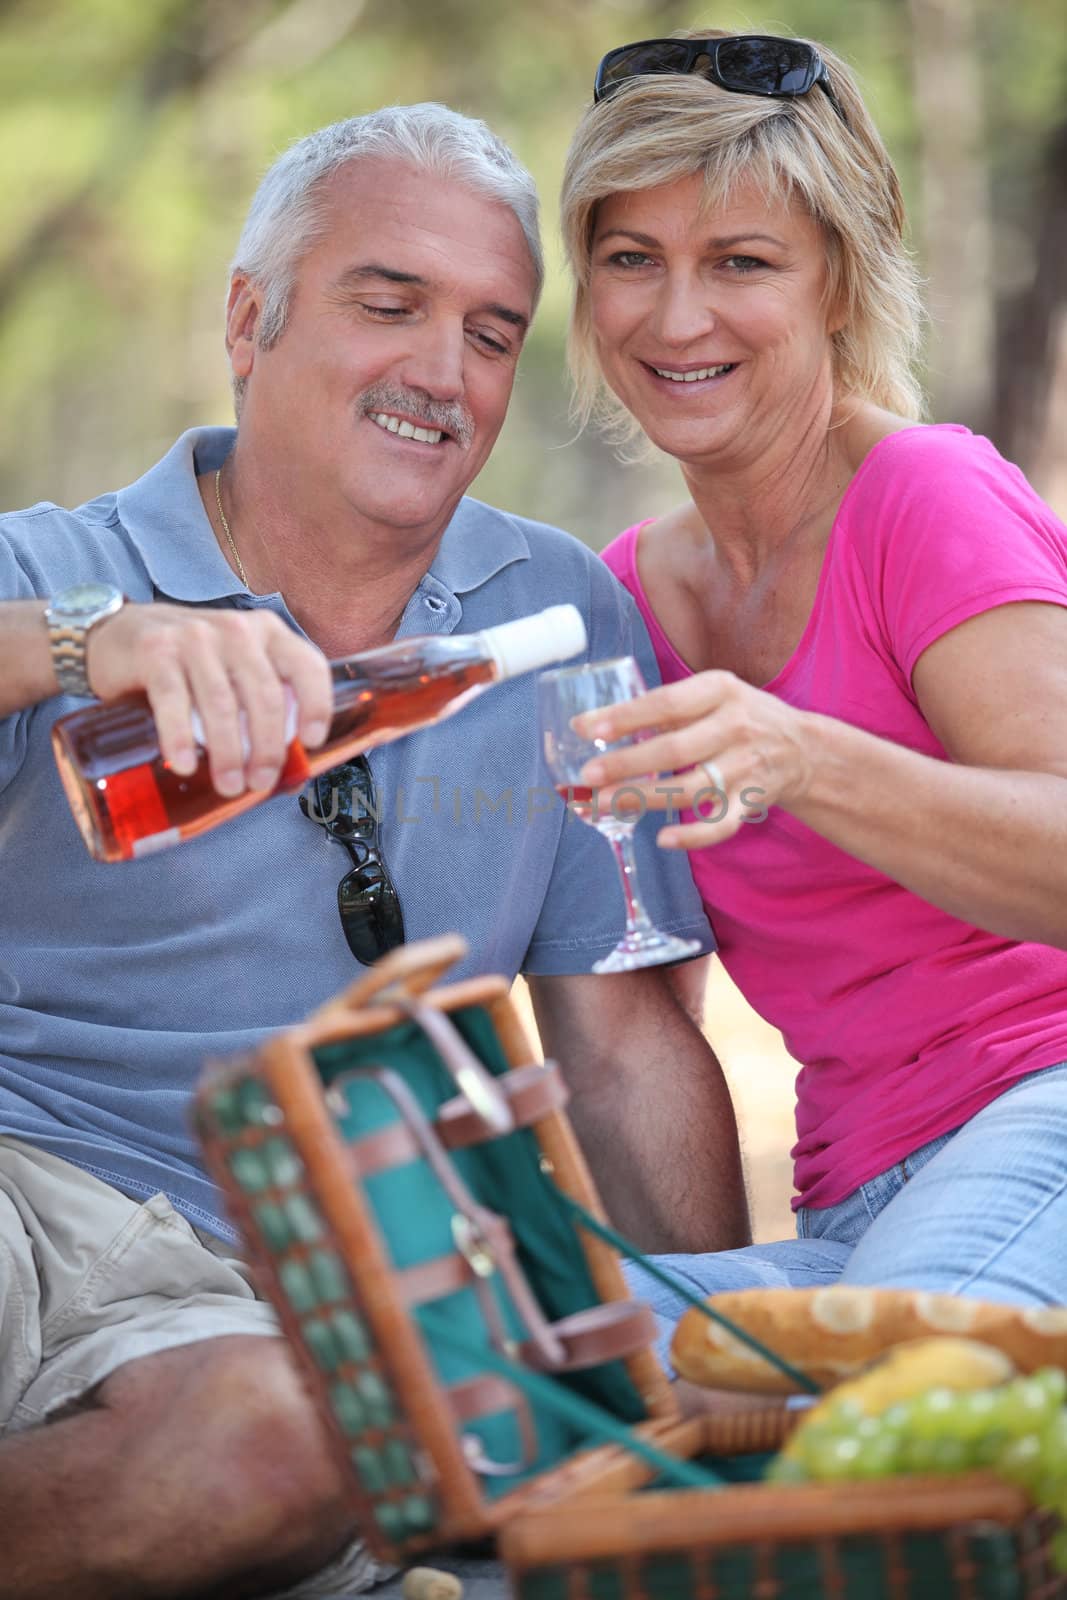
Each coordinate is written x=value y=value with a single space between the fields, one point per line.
x=342 y=802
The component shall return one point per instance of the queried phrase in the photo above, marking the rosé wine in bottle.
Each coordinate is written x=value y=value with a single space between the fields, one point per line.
x=128 y=803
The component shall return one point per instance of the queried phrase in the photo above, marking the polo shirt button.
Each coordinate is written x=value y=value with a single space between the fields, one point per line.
x=435 y=603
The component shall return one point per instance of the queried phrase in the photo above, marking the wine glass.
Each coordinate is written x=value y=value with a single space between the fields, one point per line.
x=561 y=696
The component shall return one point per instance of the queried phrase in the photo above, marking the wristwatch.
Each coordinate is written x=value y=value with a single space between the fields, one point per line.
x=69 y=615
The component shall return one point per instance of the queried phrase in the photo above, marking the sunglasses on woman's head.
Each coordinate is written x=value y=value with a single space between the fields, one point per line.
x=748 y=63
x=342 y=802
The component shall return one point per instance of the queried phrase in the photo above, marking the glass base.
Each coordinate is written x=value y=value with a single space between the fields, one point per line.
x=646 y=950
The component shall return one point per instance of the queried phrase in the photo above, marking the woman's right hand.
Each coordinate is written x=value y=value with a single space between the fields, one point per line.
x=717 y=740
x=239 y=671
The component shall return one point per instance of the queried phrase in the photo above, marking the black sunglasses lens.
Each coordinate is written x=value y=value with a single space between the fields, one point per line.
x=370 y=912
x=754 y=65
x=343 y=801
x=636 y=60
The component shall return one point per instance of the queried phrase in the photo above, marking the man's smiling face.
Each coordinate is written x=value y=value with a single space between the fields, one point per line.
x=389 y=385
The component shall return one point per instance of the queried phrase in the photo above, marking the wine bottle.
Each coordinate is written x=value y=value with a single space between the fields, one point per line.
x=128 y=802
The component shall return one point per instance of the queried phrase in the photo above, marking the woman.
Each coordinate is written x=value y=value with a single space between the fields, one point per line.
x=861 y=624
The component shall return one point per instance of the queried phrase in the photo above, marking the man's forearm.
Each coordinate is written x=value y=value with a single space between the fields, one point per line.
x=26 y=671
x=651 y=1109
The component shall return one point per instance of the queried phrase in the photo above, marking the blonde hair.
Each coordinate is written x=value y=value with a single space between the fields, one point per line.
x=657 y=130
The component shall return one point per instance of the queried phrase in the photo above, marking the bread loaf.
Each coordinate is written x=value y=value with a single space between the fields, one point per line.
x=831 y=1333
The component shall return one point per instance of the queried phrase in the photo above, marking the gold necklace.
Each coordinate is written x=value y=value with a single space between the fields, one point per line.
x=226 y=530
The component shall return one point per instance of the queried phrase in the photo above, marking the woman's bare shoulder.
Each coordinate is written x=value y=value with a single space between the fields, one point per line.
x=665 y=539
x=867 y=426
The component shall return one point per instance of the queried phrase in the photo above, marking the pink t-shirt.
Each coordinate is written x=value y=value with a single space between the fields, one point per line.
x=906 y=1021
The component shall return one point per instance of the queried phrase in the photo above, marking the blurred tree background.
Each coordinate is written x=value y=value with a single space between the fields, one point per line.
x=132 y=133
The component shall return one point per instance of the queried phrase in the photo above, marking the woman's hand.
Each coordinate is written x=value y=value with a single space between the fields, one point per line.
x=721 y=748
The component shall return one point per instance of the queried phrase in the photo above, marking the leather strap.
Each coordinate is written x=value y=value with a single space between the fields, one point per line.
x=484 y=1242
x=601 y=1333
x=392 y=1146
x=588 y=1338
x=472 y=1078
x=485 y=1396
x=432 y=1280
x=482 y=1396
x=482 y=1236
x=532 y=1093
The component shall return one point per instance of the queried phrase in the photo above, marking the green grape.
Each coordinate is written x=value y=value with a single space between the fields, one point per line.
x=878 y=1455
x=897 y=1429
x=920 y=1453
x=1018 y=1429
x=933 y=1414
x=977 y=1413
x=1022 y=1461
x=869 y=1427
x=917 y=1455
x=897 y=1418
x=840 y=1414
x=951 y=1455
x=1054 y=1381
x=1051 y=1495
x=985 y=1450
x=810 y=1439
x=831 y=1457
x=1026 y=1405
x=1054 y=1446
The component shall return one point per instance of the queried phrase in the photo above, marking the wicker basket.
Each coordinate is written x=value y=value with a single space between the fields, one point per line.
x=355 y=1239
x=966 y=1538
x=375 y=1201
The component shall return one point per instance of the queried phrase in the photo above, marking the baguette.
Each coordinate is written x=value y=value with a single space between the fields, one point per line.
x=831 y=1333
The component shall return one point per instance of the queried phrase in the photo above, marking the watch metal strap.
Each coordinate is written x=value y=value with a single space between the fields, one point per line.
x=67 y=640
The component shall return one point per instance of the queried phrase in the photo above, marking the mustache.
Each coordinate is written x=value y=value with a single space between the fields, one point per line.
x=447 y=416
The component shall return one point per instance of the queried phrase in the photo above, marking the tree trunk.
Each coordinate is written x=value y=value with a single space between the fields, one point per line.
x=956 y=231
x=1029 y=411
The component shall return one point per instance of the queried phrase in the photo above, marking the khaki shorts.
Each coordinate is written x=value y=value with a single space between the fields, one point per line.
x=90 y=1280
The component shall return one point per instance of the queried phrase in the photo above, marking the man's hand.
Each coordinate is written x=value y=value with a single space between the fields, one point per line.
x=650 y=1107
x=239 y=671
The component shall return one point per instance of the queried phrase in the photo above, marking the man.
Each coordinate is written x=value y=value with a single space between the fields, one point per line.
x=157 y=1443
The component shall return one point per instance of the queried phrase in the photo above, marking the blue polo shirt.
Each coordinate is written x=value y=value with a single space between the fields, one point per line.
x=117 y=982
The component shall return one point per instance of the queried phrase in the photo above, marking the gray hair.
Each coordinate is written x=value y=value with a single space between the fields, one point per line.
x=655 y=130
x=287 y=216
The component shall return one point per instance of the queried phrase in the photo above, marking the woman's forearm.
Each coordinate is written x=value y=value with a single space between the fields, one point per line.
x=987 y=846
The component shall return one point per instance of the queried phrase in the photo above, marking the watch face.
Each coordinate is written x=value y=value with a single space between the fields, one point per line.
x=82 y=599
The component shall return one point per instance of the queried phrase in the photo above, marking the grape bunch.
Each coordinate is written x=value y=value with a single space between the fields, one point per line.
x=1017 y=1429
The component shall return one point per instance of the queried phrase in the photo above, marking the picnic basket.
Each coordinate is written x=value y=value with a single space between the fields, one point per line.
x=414 y=1203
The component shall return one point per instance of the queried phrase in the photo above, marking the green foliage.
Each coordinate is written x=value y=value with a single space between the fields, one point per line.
x=132 y=133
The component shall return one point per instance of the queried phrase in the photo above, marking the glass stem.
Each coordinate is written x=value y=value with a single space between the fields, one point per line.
x=637 y=918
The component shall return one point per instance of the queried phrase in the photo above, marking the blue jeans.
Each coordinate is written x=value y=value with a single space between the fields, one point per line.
x=981 y=1211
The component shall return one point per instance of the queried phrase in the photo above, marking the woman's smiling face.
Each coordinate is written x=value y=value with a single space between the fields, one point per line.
x=711 y=323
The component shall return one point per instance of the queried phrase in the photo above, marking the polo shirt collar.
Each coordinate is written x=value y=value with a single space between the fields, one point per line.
x=478 y=543
x=164 y=516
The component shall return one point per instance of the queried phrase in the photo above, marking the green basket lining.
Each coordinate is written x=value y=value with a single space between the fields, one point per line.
x=504 y=1174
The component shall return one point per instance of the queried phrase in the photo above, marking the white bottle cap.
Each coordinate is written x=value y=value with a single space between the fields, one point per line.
x=537 y=641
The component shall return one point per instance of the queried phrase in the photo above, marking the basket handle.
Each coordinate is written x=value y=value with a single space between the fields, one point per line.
x=405 y=972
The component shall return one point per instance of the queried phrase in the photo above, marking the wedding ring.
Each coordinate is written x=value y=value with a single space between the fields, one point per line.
x=713 y=775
